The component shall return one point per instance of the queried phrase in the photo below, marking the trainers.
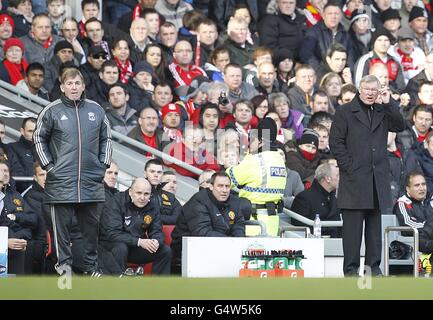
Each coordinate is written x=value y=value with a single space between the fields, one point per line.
x=129 y=272
x=139 y=271
x=94 y=274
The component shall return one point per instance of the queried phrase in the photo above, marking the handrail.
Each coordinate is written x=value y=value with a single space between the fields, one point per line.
x=294 y=228
x=263 y=232
x=22 y=93
x=156 y=152
x=310 y=222
x=415 y=248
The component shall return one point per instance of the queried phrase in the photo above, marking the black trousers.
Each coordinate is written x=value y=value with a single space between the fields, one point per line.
x=122 y=254
x=88 y=215
x=352 y=236
x=16 y=261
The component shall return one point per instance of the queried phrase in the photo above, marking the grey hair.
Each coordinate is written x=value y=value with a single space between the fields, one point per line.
x=323 y=171
x=215 y=89
x=369 y=79
x=278 y=97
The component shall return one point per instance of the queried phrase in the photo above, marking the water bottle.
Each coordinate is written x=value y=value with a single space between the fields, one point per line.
x=317 y=227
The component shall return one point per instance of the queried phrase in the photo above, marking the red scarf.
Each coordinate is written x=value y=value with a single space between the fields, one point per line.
x=136 y=13
x=47 y=43
x=15 y=71
x=308 y=155
x=125 y=70
x=82 y=29
x=406 y=61
x=397 y=153
x=421 y=138
x=151 y=142
x=312 y=15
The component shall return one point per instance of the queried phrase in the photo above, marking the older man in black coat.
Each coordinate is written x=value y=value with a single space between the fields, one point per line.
x=358 y=141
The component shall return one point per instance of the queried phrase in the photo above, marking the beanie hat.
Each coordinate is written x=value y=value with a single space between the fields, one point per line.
x=63 y=45
x=143 y=66
x=417 y=12
x=170 y=107
x=309 y=136
x=200 y=83
x=5 y=17
x=389 y=14
x=267 y=124
x=380 y=32
x=358 y=14
x=257 y=100
x=281 y=55
x=13 y=42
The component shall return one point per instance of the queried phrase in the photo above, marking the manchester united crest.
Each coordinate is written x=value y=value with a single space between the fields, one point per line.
x=147 y=219
x=17 y=202
x=231 y=215
x=164 y=196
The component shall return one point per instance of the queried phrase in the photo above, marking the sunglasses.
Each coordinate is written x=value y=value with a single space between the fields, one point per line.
x=99 y=56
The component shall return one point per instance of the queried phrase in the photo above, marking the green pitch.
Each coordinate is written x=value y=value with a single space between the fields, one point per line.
x=177 y=288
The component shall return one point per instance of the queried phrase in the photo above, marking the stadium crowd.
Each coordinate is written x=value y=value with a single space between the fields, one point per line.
x=195 y=79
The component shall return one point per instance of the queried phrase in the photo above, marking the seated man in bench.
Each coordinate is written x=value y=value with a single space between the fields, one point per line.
x=414 y=209
x=131 y=229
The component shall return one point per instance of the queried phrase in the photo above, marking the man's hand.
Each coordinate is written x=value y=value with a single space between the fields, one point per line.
x=150 y=245
x=347 y=75
x=12 y=216
x=17 y=244
x=384 y=96
x=404 y=99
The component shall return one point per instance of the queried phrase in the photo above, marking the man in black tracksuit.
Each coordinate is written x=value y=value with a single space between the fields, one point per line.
x=213 y=212
x=415 y=210
x=169 y=206
x=73 y=143
x=131 y=230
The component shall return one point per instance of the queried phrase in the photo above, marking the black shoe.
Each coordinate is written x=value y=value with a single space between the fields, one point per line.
x=139 y=271
x=93 y=274
x=129 y=272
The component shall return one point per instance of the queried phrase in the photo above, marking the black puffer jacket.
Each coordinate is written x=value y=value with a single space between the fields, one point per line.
x=73 y=143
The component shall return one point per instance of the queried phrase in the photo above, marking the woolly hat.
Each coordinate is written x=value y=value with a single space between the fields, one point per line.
x=143 y=66
x=97 y=50
x=5 y=17
x=380 y=32
x=170 y=107
x=13 y=42
x=200 y=83
x=281 y=55
x=63 y=45
x=389 y=14
x=309 y=136
x=417 y=12
x=358 y=14
x=266 y=127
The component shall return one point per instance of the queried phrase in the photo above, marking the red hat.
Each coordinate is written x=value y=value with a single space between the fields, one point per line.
x=13 y=42
x=5 y=17
x=170 y=107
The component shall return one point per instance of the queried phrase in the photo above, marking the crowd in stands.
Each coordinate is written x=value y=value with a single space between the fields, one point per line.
x=193 y=78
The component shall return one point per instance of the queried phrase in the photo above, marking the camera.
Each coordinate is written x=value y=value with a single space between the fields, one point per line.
x=222 y=99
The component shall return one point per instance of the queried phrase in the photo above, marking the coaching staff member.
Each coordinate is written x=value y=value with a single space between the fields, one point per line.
x=73 y=143
x=358 y=141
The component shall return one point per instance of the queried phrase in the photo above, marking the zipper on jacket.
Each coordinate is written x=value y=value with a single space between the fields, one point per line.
x=79 y=151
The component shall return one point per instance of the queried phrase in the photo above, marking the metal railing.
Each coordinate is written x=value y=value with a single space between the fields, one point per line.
x=259 y=223
x=282 y=230
x=415 y=248
x=310 y=222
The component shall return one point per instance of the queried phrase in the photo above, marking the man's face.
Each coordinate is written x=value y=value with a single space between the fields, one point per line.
x=417 y=188
x=381 y=73
x=110 y=75
x=172 y=120
x=332 y=17
x=41 y=29
x=140 y=194
x=65 y=55
x=239 y=33
x=320 y=103
x=406 y=46
x=28 y=130
x=69 y=30
x=208 y=34
x=286 y=7
x=139 y=30
x=337 y=61
x=73 y=88
x=310 y=148
x=233 y=78
x=162 y=95
x=382 y=44
x=5 y=30
x=422 y=121
x=40 y=176
x=334 y=177
x=183 y=53
x=35 y=79
x=347 y=97
x=153 y=174
x=221 y=188
x=143 y=79
x=168 y=36
x=210 y=119
x=110 y=177
x=243 y=114
x=90 y=11
x=425 y=94
x=4 y=168
x=94 y=31
x=152 y=20
x=56 y=9
x=222 y=60
x=117 y=97
x=392 y=25
x=368 y=92
x=383 y=4
x=267 y=75
x=323 y=139
x=97 y=60
x=148 y=121
x=419 y=25
x=305 y=79
x=170 y=181
x=409 y=4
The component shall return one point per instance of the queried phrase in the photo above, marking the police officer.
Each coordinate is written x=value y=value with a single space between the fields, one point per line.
x=169 y=206
x=261 y=175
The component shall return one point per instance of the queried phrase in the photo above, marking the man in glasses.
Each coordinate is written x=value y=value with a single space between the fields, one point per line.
x=91 y=68
x=358 y=141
